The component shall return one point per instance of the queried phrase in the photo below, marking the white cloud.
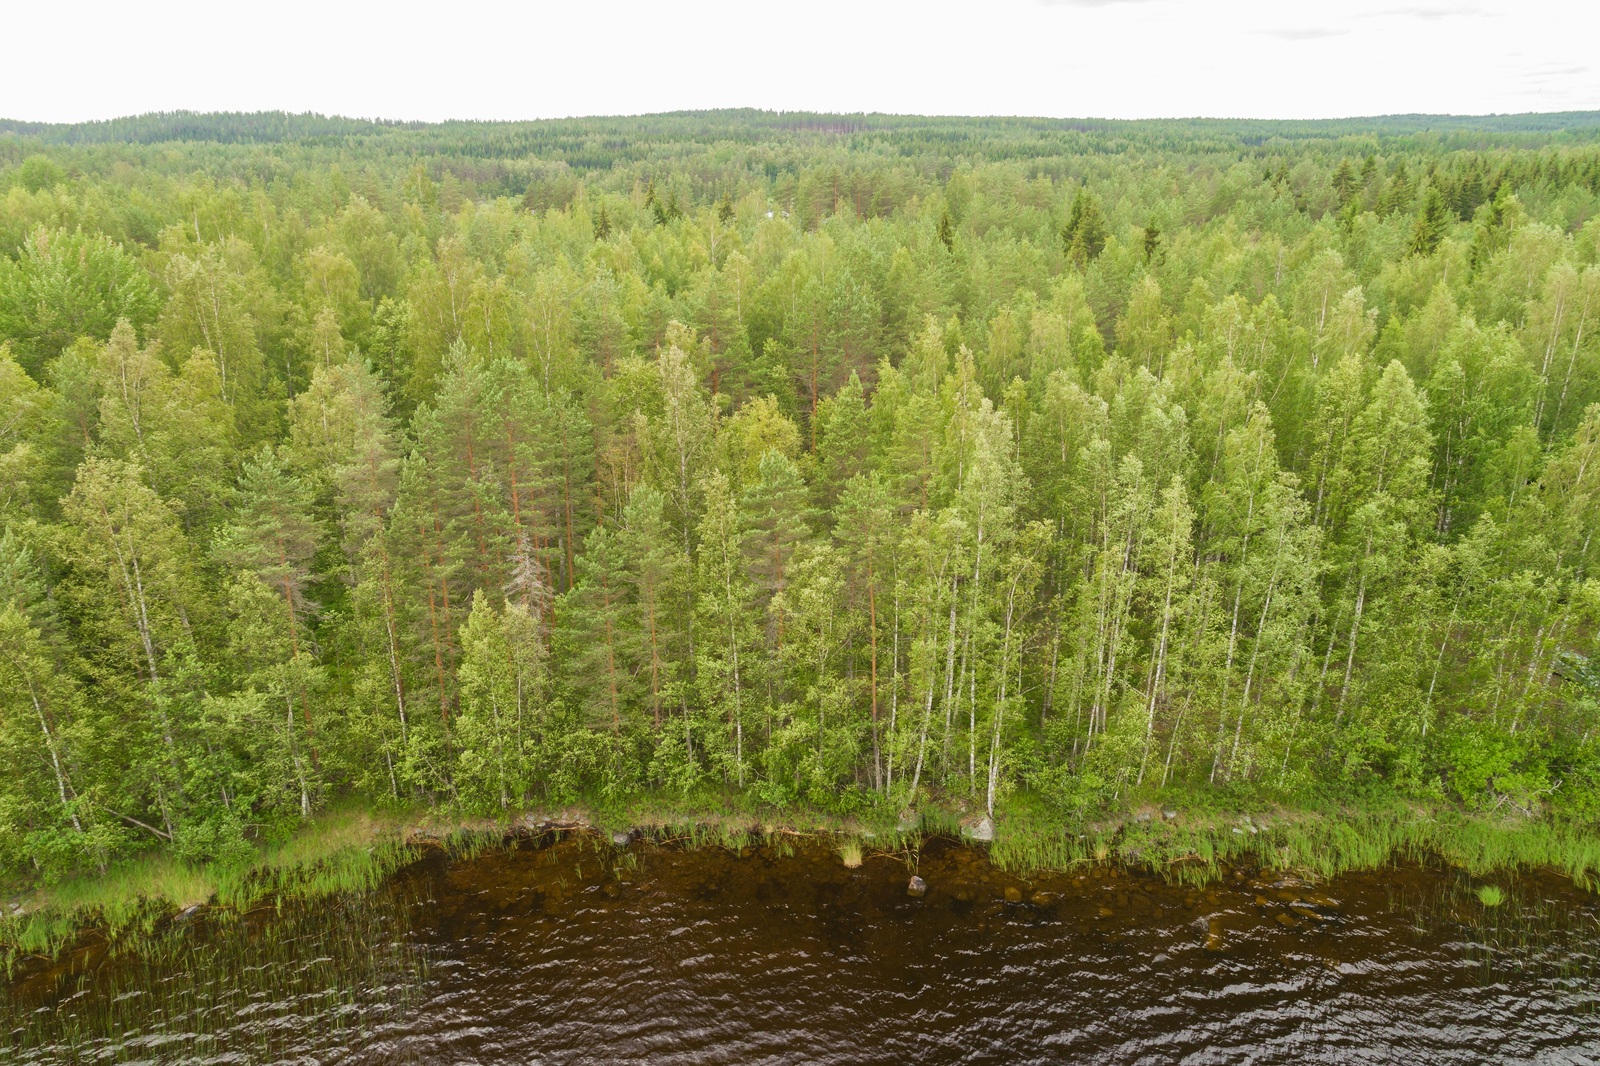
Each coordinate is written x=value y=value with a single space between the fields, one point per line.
x=539 y=58
x=1306 y=33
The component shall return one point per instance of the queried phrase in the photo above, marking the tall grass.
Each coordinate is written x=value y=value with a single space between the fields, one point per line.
x=272 y=986
x=1507 y=930
x=130 y=897
x=342 y=852
x=352 y=851
x=1319 y=843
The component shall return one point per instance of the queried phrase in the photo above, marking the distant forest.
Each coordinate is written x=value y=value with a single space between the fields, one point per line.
x=846 y=461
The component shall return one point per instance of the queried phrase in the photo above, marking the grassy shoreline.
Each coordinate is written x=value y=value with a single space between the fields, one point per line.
x=353 y=849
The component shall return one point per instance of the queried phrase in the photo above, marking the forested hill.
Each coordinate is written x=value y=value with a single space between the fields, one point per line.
x=708 y=148
x=844 y=461
x=749 y=125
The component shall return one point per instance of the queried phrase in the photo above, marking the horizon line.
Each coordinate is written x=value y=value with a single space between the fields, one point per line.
x=6 y=121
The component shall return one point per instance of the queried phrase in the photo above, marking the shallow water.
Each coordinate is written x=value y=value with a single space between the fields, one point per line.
x=567 y=949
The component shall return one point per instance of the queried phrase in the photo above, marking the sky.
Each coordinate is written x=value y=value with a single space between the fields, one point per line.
x=69 y=60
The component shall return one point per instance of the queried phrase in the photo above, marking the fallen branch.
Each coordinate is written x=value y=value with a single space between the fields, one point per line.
x=134 y=821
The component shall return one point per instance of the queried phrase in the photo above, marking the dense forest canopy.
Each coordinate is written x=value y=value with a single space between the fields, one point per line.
x=837 y=460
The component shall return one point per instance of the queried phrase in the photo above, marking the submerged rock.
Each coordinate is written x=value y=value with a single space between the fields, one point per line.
x=916 y=887
x=1013 y=894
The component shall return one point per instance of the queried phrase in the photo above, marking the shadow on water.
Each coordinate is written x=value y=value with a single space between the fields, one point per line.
x=568 y=948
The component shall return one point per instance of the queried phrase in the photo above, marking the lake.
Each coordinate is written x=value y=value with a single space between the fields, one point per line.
x=567 y=948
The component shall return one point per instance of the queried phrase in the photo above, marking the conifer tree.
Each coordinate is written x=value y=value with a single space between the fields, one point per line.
x=1085 y=232
x=1432 y=224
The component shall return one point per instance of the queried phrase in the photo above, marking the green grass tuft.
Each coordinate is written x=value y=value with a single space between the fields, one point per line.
x=850 y=852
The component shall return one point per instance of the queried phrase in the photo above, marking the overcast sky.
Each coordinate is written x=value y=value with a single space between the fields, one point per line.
x=68 y=61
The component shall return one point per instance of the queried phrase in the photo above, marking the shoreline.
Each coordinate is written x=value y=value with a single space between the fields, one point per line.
x=354 y=849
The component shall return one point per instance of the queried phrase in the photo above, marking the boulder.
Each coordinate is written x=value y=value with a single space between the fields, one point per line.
x=621 y=839
x=916 y=887
x=983 y=832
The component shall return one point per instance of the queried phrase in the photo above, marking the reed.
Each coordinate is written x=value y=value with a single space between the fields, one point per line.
x=270 y=986
x=1319 y=842
x=342 y=852
x=1507 y=931
x=352 y=851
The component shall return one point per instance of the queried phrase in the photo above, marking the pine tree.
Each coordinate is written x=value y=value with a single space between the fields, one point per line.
x=1344 y=183
x=1085 y=234
x=1432 y=225
x=598 y=620
x=867 y=530
x=270 y=546
x=775 y=515
x=655 y=576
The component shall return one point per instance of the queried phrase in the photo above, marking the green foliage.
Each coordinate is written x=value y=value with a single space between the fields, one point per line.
x=1085 y=233
x=65 y=285
x=1038 y=468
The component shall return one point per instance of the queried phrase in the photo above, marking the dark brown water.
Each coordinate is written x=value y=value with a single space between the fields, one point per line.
x=570 y=950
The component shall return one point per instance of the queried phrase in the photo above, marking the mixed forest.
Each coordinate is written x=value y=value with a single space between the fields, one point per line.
x=849 y=462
